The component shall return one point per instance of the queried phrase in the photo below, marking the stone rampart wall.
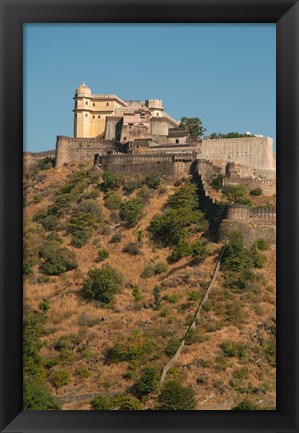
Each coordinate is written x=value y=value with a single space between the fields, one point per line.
x=252 y=151
x=31 y=157
x=70 y=149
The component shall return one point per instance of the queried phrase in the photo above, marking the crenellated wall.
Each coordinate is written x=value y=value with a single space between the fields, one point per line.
x=31 y=157
x=251 y=151
x=69 y=149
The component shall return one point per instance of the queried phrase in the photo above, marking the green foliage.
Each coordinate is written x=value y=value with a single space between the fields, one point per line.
x=270 y=351
x=153 y=181
x=256 y=191
x=193 y=336
x=217 y=182
x=181 y=212
x=102 y=284
x=198 y=251
x=235 y=193
x=182 y=249
x=136 y=293
x=157 y=298
x=131 y=186
x=82 y=372
x=87 y=320
x=152 y=269
x=61 y=378
x=116 y=238
x=131 y=348
x=231 y=349
x=261 y=244
x=66 y=342
x=172 y=346
x=175 y=396
x=32 y=331
x=102 y=402
x=48 y=222
x=127 y=402
x=257 y=259
x=246 y=405
x=132 y=248
x=194 y=295
x=102 y=255
x=57 y=260
x=194 y=126
x=147 y=382
x=86 y=216
x=44 y=305
x=36 y=396
x=113 y=200
x=240 y=373
x=131 y=211
x=110 y=181
x=229 y=135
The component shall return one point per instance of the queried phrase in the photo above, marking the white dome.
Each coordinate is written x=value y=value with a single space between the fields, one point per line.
x=83 y=90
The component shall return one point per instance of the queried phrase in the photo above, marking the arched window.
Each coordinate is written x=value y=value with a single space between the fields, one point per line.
x=94 y=104
x=86 y=115
x=99 y=116
x=86 y=102
x=93 y=117
x=177 y=141
x=107 y=104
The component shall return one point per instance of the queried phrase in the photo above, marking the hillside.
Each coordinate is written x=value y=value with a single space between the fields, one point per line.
x=151 y=241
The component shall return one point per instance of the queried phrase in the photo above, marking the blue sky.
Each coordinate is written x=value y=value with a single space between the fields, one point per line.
x=222 y=73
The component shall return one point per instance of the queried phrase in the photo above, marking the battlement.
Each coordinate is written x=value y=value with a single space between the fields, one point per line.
x=243 y=212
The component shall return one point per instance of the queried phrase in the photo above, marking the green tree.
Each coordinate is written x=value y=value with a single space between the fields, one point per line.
x=110 y=181
x=175 y=396
x=147 y=382
x=36 y=396
x=102 y=284
x=194 y=126
x=131 y=212
x=102 y=402
x=157 y=298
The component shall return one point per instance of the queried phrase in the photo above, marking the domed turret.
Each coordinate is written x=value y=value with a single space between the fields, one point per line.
x=83 y=90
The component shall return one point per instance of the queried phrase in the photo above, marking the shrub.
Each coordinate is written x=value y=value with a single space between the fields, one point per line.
x=152 y=269
x=172 y=346
x=261 y=244
x=181 y=250
x=136 y=293
x=194 y=295
x=58 y=261
x=49 y=222
x=153 y=181
x=87 y=320
x=270 y=351
x=147 y=382
x=127 y=402
x=83 y=372
x=172 y=299
x=193 y=336
x=231 y=349
x=102 y=255
x=258 y=260
x=235 y=193
x=240 y=373
x=246 y=405
x=186 y=197
x=116 y=238
x=132 y=249
x=101 y=402
x=113 y=200
x=131 y=186
x=198 y=251
x=256 y=191
x=131 y=212
x=44 y=305
x=157 y=298
x=61 y=378
x=175 y=396
x=102 y=284
x=36 y=396
x=66 y=342
x=144 y=194
x=131 y=348
x=85 y=217
x=217 y=182
x=109 y=181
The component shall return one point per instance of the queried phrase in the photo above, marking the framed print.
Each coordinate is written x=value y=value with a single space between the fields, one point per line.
x=139 y=286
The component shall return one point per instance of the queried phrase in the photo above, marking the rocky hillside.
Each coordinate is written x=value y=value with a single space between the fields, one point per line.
x=114 y=270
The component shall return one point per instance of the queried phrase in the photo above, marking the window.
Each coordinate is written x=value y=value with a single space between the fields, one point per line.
x=99 y=116
x=177 y=141
x=86 y=115
x=94 y=104
x=86 y=102
x=107 y=104
x=93 y=117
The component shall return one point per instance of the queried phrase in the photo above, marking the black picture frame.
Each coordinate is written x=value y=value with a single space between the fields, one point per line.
x=285 y=13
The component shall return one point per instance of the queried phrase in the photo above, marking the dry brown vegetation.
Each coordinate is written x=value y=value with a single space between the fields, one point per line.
x=246 y=319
